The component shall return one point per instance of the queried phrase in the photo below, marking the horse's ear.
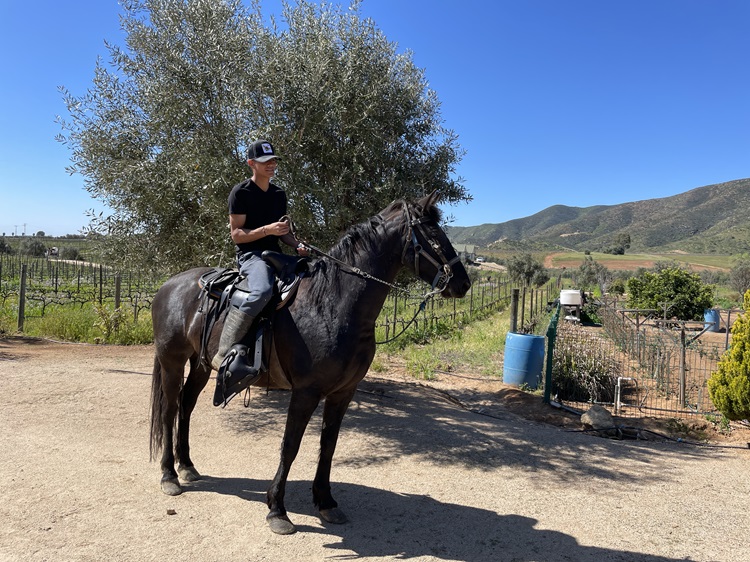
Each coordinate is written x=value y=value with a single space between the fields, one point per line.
x=429 y=201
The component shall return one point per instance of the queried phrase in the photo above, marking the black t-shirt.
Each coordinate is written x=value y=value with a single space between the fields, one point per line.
x=260 y=208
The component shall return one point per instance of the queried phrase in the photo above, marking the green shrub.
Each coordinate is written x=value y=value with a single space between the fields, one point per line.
x=686 y=295
x=583 y=371
x=729 y=386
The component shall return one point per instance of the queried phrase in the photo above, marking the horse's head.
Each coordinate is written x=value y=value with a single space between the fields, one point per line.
x=428 y=250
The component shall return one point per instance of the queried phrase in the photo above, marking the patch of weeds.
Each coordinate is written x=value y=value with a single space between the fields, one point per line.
x=720 y=423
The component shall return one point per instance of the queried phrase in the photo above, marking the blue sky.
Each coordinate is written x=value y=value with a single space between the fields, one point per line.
x=574 y=102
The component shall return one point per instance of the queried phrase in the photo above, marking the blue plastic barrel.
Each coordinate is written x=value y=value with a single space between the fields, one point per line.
x=712 y=315
x=524 y=357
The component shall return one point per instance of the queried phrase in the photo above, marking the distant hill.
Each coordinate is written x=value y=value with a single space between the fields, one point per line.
x=714 y=219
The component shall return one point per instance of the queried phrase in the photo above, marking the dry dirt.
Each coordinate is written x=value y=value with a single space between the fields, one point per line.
x=462 y=468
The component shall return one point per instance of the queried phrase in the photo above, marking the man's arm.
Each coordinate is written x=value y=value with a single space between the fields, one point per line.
x=242 y=235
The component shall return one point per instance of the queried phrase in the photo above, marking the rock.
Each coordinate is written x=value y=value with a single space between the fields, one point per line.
x=597 y=418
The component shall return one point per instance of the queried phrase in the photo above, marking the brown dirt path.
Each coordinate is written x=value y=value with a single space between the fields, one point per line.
x=420 y=476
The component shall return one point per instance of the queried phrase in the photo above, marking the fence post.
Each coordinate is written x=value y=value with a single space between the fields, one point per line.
x=22 y=298
x=514 y=311
x=683 y=359
x=551 y=337
x=729 y=323
x=118 y=282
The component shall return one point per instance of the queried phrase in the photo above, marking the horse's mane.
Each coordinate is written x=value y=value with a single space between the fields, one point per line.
x=364 y=236
x=360 y=236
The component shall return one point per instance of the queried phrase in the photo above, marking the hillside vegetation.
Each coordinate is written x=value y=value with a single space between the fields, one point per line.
x=714 y=219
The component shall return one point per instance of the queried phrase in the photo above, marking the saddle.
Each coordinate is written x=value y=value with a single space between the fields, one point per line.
x=228 y=285
x=223 y=287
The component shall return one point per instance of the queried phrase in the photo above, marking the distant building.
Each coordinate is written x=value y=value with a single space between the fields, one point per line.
x=467 y=252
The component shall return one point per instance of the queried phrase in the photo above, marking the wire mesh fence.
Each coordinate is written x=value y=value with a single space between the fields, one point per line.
x=636 y=368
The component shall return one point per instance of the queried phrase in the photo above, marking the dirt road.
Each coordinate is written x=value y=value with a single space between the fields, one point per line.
x=420 y=477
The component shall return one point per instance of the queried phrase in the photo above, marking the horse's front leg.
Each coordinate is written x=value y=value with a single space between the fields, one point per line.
x=333 y=414
x=302 y=404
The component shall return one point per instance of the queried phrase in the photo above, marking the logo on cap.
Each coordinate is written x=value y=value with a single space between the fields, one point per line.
x=266 y=147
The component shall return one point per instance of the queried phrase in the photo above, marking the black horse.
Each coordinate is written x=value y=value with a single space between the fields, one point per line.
x=323 y=342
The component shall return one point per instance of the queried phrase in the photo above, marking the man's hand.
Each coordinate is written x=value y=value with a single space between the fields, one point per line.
x=277 y=228
x=302 y=250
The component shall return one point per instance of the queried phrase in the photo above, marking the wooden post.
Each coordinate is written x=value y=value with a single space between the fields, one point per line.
x=118 y=283
x=729 y=321
x=514 y=311
x=22 y=298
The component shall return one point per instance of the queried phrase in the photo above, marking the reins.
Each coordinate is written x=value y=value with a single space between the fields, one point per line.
x=439 y=283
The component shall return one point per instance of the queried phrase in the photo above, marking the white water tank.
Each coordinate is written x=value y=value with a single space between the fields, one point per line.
x=571 y=297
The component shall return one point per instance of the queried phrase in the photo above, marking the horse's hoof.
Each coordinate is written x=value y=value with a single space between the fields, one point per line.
x=281 y=525
x=333 y=515
x=188 y=473
x=171 y=486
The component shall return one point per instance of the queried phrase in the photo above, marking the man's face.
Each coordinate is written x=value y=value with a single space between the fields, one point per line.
x=264 y=169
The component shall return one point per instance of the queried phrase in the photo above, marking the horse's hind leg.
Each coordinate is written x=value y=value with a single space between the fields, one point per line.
x=195 y=383
x=171 y=384
x=333 y=414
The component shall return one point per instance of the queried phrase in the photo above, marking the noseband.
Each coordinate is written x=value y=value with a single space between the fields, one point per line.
x=444 y=271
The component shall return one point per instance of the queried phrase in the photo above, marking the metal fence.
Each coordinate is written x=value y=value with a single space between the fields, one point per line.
x=635 y=368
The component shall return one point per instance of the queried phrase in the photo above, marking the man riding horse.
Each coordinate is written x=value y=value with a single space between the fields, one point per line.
x=256 y=211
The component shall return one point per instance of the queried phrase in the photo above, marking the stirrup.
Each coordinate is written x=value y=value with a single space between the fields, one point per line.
x=234 y=375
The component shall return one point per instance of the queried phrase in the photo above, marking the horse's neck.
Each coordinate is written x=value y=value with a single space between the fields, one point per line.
x=365 y=296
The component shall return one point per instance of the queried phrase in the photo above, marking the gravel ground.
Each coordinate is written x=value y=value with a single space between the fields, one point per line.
x=444 y=473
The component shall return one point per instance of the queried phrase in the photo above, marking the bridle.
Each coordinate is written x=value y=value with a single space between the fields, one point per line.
x=444 y=271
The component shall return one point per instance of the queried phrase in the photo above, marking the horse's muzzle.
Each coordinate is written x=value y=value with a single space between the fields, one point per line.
x=456 y=289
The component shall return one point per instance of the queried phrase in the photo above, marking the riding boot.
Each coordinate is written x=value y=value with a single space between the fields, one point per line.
x=236 y=325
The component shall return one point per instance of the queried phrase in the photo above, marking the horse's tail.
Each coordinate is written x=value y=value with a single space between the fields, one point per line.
x=157 y=410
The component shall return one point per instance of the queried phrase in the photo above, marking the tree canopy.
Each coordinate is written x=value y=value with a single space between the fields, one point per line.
x=527 y=270
x=591 y=273
x=683 y=293
x=160 y=136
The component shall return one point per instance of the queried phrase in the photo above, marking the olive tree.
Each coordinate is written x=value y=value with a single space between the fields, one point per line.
x=527 y=270
x=160 y=137
x=591 y=273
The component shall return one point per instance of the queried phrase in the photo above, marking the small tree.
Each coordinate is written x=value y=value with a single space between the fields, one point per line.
x=729 y=386
x=684 y=292
x=31 y=247
x=594 y=274
x=524 y=269
x=739 y=277
x=5 y=248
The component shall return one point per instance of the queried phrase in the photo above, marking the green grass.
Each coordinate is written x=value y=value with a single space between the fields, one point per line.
x=477 y=347
x=88 y=324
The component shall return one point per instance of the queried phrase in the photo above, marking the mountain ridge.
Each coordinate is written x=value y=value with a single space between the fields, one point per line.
x=713 y=219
